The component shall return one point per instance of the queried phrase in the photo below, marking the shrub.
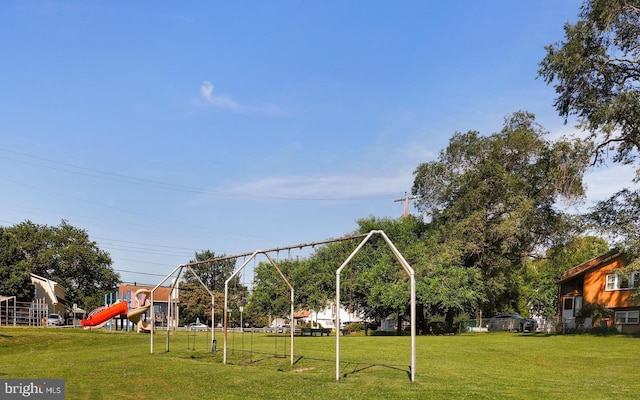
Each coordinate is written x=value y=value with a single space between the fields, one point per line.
x=354 y=327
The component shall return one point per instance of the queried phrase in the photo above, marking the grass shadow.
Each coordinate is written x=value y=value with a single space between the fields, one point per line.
x=359 y=367
x=262 y=356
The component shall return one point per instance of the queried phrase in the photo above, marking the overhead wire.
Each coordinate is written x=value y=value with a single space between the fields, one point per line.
x=94 y=173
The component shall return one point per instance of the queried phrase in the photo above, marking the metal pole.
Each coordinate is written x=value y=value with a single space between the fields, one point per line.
x=213 y=326
x=152 y=324
x=226 y=305
x=292 y=322
x=413 y=327
x=241 y=308
x=225 y=316
x=169 y=305
x=295 y=246
x=337 y=325
x=407 y=268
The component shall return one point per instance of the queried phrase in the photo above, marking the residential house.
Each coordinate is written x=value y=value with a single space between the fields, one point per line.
x=326 y=318
x=600 y=283
x=52 y=293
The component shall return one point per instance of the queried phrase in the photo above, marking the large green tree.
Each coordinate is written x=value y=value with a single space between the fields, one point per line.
x=596 y=74
x=62 y=253
x=445 y=287
x=375 y=283
x=271 y=295
x=213 y=270
x=493 y=199
x=595 y=70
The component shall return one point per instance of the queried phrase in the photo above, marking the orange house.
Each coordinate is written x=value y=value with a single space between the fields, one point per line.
x=600 y=283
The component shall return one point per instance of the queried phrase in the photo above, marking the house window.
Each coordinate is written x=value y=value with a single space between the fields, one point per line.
x=568 y=303
x=619 y=282
x=627 y=317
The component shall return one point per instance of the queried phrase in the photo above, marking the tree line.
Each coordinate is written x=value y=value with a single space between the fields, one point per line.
x=490 y=236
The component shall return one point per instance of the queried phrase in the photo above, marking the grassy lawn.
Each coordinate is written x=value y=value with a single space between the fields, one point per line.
x=103 y=364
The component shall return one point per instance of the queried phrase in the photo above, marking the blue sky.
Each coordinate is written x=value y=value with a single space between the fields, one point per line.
x=166 y=128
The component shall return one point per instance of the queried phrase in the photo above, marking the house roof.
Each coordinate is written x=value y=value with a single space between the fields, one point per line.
x=301 y=314
x=49 y=287
x=587 y=266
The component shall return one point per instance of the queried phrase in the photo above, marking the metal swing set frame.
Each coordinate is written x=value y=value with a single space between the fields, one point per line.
x=252 y=255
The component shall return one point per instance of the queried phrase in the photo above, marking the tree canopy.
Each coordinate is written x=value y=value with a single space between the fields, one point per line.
x=195 y=301
x=596 y=74
x=62 y=253
x=595 y=70
x=493 y=200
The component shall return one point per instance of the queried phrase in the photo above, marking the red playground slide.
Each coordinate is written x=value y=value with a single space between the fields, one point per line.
x=105 y=314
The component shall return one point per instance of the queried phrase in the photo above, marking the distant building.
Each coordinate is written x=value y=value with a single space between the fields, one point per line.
x=600 y=282
x=52 y=293
x=326 y=318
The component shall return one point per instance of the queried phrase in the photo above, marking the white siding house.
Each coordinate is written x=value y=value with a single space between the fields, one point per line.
x=52 y=293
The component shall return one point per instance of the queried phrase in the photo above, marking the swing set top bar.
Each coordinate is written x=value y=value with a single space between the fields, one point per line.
x=295 y=246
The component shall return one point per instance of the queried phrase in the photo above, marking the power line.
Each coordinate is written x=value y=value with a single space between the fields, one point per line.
x=145 y=244
x=139 y=273
x=94 y=173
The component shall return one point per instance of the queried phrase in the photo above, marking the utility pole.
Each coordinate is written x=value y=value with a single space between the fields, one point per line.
x=406 y=200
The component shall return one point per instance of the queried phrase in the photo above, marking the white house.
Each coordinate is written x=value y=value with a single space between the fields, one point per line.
x=326 y=318
x=52 y=293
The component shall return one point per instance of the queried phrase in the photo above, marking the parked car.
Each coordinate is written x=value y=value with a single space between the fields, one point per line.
x=277 y=329
x=530 y=325
x=510 y=323
x=55 y=319
x=198 y=326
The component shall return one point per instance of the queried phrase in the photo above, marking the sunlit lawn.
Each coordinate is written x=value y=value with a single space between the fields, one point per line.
x=103 y=364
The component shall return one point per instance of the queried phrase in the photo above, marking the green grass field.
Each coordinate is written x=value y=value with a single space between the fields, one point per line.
x=116 y=365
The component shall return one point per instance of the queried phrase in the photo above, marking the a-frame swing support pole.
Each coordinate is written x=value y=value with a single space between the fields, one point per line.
x=226 y=299
x=407 y=268
x=225 y=319
x=152 y=313
x=291 y=319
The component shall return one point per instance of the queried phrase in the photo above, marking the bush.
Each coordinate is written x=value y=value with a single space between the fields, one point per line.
x=436 y=328
x=354 y=327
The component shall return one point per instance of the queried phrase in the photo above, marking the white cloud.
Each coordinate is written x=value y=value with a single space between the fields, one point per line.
x=224 y=102
x=329 y=187
x=207 y=92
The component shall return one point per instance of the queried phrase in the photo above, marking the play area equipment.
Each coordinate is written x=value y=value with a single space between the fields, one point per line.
x=226 y=300
x=365 y=238
x=101 y=315
x=135 y=315
x=179 y=269
x=408 y=270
